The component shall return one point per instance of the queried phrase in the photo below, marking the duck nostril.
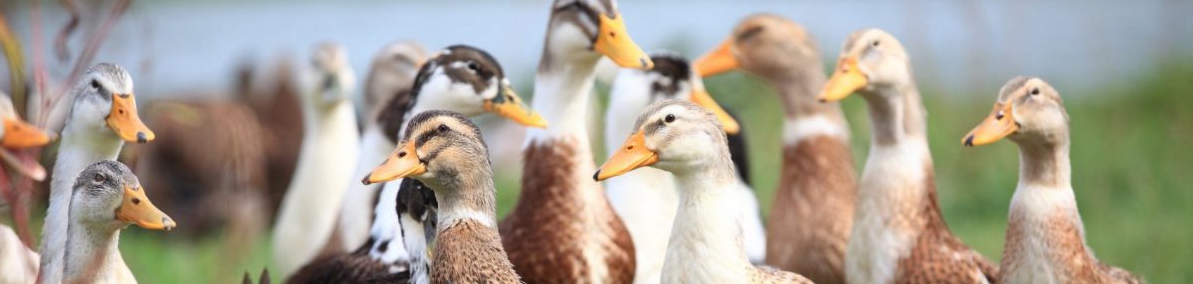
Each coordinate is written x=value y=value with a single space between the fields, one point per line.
x=136 y=201
x=631 y=147
x=401 y=154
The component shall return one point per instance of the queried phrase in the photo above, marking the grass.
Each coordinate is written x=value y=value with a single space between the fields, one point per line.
x=1131 y=174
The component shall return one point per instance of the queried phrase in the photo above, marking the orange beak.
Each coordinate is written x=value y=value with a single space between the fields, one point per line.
x=702 y=98
x=21 y=134
x=403 y=162
x=633 y=155
x=717 y=61
x=137 y=209
x=614 y=42
x=846 y=80
x=997 y=125
x=507 y=104
x=124 y=121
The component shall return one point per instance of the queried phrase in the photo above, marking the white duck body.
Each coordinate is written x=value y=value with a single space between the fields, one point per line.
x=392 y=71
x=18 y=264
x=86 y=139
x=330 y=141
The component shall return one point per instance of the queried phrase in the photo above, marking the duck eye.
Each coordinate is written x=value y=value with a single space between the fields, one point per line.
x=99 y=178
x=95 y=84
x=875 y=44
x=669 y=118
x=473 y=66
x=443 y=128
x=1035 y=91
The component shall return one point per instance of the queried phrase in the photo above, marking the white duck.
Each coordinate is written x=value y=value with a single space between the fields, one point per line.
x=107 y=197
x=308 y=212
x=706 y=243
x=648 y=214
x=392 y=72
x=103 y=115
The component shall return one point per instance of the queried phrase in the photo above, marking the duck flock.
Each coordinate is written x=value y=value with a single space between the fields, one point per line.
x=402 y=190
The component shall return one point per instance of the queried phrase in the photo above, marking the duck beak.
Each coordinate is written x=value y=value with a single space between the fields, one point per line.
x=137 y=209
x=614 y=42
x=633 y=155
x=403 y=162
x=124 y=120
x=507 y=104
x=26 y=165
x=846 y=80
x=997 y=125
x=718 y=61
x=702 y=98
x=21 y=134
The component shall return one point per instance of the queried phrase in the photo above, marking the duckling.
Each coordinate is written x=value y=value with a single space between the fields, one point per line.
x=899 y=234
x=1045 y=241
x=460 y=78
x=103 y=115
x=444 y=151
x=307 y=216
x=706 y=244
x=813 y=207
x=107 y=197
x=648 y=214
x=563 y=230
x=18 y=264
x=391 y=73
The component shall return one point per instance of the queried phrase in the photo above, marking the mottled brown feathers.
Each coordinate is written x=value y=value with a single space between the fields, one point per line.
x=356 y=267
x=1065 y=249
x=470 y=252
x=808 y=230
x=553 y=224
x=937 y=256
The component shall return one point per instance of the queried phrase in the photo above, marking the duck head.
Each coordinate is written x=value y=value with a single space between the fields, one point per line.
x=108 y=195
x=672 y=135
x=587 y=29
x=871 y=59
x=1027 y=110
x=104 y=100
x=438 y=147
x=468 y=80
x=18 y=134
x=333 y=75
x=671 y=78
x=765 y=45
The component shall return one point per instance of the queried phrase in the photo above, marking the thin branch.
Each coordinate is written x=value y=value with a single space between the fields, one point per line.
x=60 y=46
x=88 y=54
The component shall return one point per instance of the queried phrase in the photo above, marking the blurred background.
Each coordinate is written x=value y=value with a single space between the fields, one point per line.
x=1125 y=69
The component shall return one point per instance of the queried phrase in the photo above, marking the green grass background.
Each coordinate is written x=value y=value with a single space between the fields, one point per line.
x=1131 y=172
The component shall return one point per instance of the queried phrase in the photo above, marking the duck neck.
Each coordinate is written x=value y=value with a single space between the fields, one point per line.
x=91 y=251
x=1045 y=164
x=561 y=96
x=896 y=115
x=468 y=196
x=805 y=116
x=706 y=220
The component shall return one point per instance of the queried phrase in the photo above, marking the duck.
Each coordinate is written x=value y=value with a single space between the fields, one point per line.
x=899 y=233
x=1045 y=239
x=18 y=263
x=562 y=228
x=445 y=151
x=391 y=72
x=810 y=221
x=309 y=209
x=706 y=244
x=107 y=197
x=648 y=214
x=278 y=105
x=103 y=116
x=462 y=79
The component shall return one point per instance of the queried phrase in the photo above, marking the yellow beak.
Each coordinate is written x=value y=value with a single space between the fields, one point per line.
x=633 y=155
x=718 y=61
x=137 y=209
x=702 y=98
x=846 y=80
x=124 y=120
x=404 y=162
x=507 y=104
x=997 y=125
x=21 y=134
x=613 y=41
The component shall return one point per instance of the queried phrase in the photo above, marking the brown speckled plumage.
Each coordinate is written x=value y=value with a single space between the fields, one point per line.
x=809 y=231
x=547 y=232
x=937 y=256
x=470 y=252
x=355 y=267
x=770 y=275
x=1067 y=248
